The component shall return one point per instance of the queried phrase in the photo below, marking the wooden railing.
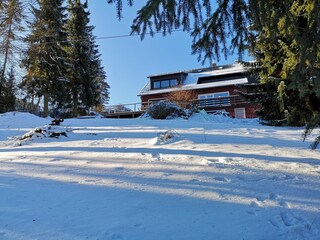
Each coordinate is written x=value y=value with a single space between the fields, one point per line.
x=220 y=101
x=136 y=109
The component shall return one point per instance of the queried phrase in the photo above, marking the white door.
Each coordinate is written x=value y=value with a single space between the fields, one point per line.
x=240 y=113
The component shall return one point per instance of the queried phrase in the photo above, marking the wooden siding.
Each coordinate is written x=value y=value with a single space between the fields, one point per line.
x=250 y=108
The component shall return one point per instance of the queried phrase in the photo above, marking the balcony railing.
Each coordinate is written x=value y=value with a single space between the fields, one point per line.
x=136 y=109
x=221 y=101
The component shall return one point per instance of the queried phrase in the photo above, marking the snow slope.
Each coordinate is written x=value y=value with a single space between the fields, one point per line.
x=116 y=179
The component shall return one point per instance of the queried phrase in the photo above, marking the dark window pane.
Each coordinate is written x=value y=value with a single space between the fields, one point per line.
x=165 y=83
x=173 y=82
x=156 y=85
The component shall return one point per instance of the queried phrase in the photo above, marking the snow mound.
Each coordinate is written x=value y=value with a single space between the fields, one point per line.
x=22 y=120
x=220 y=117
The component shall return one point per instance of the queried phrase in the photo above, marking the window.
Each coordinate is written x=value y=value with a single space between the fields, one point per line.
x=156 y=85
x=173 y=82
x=214 y=99
x=166 y=83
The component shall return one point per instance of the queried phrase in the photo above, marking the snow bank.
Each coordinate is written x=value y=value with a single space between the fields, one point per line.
x=18 y=123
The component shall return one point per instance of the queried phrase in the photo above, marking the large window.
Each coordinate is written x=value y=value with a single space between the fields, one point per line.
x=167 y=83
x=214 y=99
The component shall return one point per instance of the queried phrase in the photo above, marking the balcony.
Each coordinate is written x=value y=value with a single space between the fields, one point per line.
x=133 y=110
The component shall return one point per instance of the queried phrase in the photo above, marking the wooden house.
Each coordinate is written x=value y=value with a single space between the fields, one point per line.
x=216 y=88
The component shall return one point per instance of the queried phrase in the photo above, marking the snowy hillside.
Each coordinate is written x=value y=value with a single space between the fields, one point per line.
x=140 y=179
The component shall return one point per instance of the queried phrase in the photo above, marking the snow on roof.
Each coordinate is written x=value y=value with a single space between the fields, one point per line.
x=191 y=80
x=146 y=90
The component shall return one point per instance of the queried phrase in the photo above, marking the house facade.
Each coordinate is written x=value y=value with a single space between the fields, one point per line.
x=215 y=88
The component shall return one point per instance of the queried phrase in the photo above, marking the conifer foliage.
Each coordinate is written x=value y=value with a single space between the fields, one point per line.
x=62 y=60
x=7 y=91
x=288 y=48
x=85 y=75
x=45 y=55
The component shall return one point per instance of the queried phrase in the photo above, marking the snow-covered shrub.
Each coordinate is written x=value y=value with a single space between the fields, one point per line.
x=46 y=131
x=166 y=109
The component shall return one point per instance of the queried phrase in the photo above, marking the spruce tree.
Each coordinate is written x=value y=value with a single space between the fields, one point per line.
x=85 y=75
x=45 y=60
x=288 y=48
x=11 y=28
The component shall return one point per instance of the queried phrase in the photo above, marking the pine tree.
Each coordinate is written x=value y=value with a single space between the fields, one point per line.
x=85 y=75
x=11 y=19
x=45 y=60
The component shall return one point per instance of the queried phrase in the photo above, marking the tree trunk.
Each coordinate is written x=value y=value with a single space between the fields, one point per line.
x=45 y=105
x=75 y=103
x=6 y=54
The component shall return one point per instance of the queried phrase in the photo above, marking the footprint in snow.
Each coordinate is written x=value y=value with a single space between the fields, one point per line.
x=55 y=160
x=284 y=204
x=194 y=180
x=114 y=236
x=285 y=219
x=94 y=143
x=167 y=174
x=156 y=156
x=273 y=196
x=255 y=205
x=91 y=180
x=250 y=178
x=119 y=168
x=222 y=179
x=138 y=225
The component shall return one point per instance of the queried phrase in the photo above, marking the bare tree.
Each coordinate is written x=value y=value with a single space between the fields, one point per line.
x=183 y=98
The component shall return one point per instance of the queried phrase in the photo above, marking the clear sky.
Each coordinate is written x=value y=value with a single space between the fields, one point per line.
x=128 y=61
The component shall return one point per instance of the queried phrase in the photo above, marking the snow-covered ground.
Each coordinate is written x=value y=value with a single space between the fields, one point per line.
x=117 y=179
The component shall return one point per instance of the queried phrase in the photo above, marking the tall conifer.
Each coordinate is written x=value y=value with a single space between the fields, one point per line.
x=86 y=76
x=45 y=56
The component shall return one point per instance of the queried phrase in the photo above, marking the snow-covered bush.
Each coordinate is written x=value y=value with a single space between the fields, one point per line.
x=165 y=110
x=46 y=131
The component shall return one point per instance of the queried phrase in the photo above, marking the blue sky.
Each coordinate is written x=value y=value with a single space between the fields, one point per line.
x=129 y=61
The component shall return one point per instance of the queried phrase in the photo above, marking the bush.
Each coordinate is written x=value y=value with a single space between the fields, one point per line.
x=183 y=98
x=165 y=109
